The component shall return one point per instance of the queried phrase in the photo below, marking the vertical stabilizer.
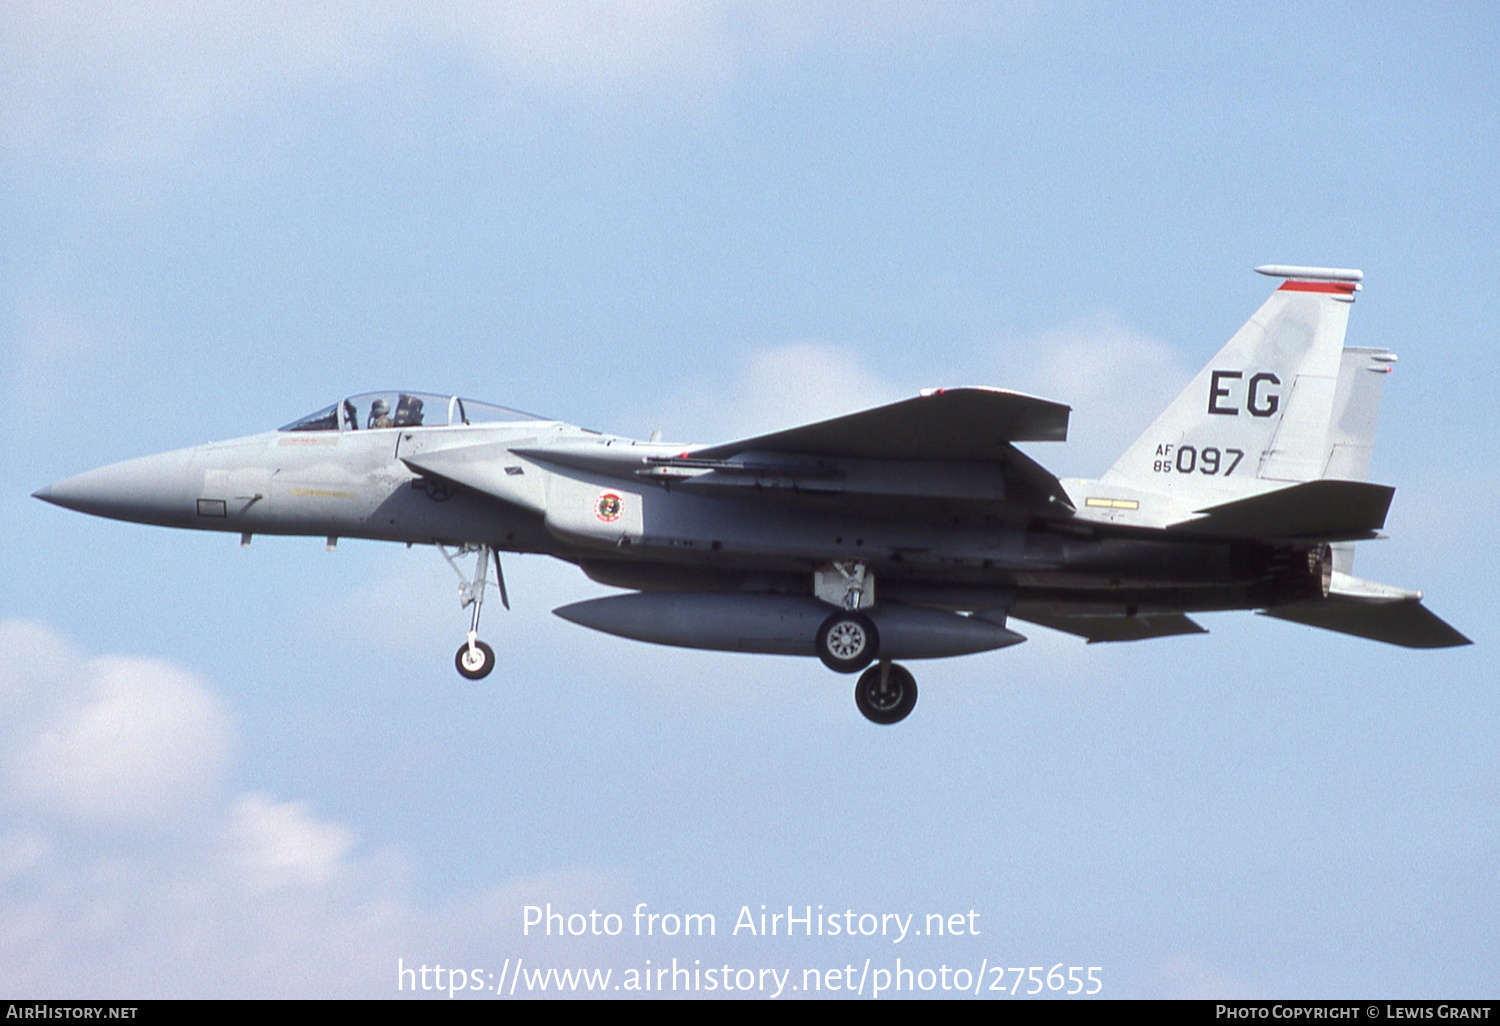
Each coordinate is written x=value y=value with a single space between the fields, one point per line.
x=1261 y=414
x=1351 y=434
x=1356 y=406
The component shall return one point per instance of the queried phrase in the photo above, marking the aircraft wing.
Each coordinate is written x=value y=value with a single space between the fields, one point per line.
x=950 y=427
x=938 y=455
x=966 y=424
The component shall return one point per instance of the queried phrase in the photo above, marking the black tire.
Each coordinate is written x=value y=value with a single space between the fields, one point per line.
x=890 y=704
x=471 y=669
x=847 y=642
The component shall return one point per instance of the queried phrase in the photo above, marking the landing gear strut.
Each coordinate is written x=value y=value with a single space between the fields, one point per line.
x=886 y=693
x=474 y=658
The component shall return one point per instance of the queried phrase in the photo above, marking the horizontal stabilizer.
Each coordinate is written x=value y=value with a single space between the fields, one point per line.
x=1314 y=510
x=1408 y=624
x=943 y=424
x=1113 y=628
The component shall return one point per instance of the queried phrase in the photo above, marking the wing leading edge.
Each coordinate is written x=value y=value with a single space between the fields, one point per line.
x=972 y=423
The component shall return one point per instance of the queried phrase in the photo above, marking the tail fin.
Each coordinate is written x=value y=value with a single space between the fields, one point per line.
x=1351 y=434
x=1260 y=415
x=1356 y=405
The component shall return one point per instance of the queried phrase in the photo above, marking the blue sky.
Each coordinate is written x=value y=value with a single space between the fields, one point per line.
x=254 y=771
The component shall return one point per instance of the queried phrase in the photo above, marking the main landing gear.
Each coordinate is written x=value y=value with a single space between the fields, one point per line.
x=848 y=642
x=474 y=658
x=886 y=693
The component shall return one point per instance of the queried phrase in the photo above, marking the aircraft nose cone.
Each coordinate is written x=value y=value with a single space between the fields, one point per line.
x=149 y=490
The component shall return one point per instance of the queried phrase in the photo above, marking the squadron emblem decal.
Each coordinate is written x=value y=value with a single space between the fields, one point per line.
x=608 y=507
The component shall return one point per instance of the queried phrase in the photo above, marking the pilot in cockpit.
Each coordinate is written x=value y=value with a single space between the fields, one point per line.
x=380 y=414
x=408 y=411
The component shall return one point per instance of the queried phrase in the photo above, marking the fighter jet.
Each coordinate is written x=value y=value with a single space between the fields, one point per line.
x=913 y=530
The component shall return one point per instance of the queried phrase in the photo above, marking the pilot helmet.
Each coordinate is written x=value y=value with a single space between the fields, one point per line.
x=380 y=406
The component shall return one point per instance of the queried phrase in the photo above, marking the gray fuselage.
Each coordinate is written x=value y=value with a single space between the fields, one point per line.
x=941 y=535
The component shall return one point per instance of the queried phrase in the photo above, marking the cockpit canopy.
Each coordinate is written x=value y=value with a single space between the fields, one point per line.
x=373 y=411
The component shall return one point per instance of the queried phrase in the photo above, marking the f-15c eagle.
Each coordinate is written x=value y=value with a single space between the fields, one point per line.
x=914 y=530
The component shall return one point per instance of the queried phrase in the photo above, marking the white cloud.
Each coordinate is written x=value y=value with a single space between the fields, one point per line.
x=1116 y=379
x=778 y=387
x=125 y=81
x=116 y=740
x=282 y=844
x=234 y=895
x=120 y=80
x=36 y=658
x=120 y=855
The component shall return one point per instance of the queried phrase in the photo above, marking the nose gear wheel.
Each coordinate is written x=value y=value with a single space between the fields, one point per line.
x=475 y=663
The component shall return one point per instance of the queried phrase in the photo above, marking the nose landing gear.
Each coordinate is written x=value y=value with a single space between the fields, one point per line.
x=474 y=658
